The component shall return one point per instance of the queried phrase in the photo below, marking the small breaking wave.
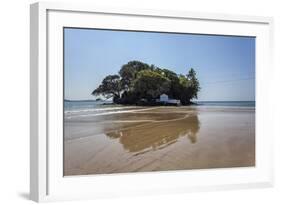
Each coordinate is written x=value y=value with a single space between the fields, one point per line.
x=109 y=113
x=97 y=109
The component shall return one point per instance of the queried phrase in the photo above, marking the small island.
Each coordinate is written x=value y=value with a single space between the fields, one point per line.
x=139 y=83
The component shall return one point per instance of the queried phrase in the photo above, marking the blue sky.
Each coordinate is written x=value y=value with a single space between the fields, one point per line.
x=225 y=65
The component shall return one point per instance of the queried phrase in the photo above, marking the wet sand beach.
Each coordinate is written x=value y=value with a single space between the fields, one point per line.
x=139 y=139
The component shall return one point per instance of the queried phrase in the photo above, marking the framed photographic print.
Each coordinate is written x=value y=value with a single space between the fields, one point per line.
x=128 y=101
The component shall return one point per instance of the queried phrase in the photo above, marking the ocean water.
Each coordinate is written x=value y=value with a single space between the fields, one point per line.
x=78 y=109
x=227 y=103
x=97 y=106
x=87 y=104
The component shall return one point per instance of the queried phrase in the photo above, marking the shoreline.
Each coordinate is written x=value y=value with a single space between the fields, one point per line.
x=159 y=139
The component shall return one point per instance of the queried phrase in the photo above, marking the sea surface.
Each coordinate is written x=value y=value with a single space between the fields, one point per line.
x=86 y=104
x=91 y=105
x=227 y=103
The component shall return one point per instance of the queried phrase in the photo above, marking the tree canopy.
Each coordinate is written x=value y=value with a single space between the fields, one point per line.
x=150 y=84
x=110 y=87
x=137 y=81
x=128 y=73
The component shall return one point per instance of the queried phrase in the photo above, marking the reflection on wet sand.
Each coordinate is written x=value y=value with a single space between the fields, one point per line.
x=157 y=134
x=158 y=139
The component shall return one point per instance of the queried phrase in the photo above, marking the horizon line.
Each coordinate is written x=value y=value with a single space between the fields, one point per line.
x=192 y=100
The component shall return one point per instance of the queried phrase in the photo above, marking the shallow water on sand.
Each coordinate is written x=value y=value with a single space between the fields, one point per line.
x=136 y=139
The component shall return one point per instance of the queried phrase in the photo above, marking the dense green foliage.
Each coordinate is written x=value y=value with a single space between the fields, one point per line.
x=150 y=84
x=138 y=81
x=110 y=87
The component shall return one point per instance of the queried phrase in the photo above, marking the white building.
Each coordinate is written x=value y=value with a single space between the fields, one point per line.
x=165 y=99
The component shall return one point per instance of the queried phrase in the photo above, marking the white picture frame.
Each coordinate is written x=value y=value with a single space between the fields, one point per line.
x=46 y=179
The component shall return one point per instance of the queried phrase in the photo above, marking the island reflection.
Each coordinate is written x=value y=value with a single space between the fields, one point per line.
x=156 y=135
